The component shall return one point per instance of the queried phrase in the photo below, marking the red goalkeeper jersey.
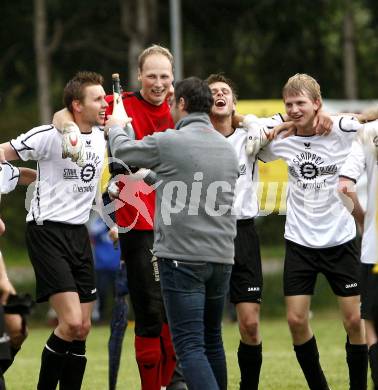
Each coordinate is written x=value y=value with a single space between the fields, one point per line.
x=147 y=119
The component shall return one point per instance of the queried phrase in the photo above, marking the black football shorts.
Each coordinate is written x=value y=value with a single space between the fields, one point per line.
x=61 y=256
x=246 y=281
x=339 y=264
x=369 y=292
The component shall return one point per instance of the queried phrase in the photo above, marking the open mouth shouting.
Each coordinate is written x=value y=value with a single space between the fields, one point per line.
x=220 y=103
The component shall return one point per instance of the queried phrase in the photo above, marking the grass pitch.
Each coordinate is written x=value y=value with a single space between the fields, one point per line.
x=280 y=370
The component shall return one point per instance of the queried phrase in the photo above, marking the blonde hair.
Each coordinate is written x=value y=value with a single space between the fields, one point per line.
x=154 y=49
x=302 y=83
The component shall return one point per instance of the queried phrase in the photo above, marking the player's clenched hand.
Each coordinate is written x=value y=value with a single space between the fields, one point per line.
x=113 y=121
x=113 y=190
x=322 y=123
x=72 y=144
x=113 y=233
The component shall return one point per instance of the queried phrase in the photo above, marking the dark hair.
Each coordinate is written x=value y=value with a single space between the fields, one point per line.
x=221 y=78
x=74 y=89
x=196 y=94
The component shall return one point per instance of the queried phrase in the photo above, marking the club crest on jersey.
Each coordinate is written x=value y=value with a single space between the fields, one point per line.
x=87 y=173
x=310 y=171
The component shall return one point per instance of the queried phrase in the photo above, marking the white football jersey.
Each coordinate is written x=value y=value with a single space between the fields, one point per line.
x=64 y=192
x=9 y=176
x=363 y=158
x=316 y=216
x=246 y=203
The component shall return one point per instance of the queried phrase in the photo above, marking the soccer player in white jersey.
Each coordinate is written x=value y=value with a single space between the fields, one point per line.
x=363 y=158
x=246 y=279
x=57 y=238
x=319 y=231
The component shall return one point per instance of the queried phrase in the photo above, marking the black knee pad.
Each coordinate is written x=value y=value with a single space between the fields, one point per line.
x=19 y=304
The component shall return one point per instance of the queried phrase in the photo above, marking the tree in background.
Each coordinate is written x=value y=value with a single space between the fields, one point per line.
x=43 y=51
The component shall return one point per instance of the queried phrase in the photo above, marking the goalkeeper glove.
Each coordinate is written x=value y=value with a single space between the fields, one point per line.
x=257 y=135
x=72 y=144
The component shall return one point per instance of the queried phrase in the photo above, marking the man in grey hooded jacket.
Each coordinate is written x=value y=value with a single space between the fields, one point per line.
x=196 y=170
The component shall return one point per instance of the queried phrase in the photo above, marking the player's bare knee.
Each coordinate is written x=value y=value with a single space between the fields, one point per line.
x=85 y=329
x=249 y=328
x=72 y=329
x=297 y=322
x=353 y=324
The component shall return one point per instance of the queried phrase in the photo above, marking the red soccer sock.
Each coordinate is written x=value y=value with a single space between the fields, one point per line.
x=169 y=356
x=148 y=357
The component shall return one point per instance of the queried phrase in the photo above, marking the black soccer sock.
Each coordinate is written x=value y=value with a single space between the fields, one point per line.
x=373 y=359
x=73 y=371
x=250 y=360
x=357 y=359
x=308 y=359
x=5 y=364
x=52 y=362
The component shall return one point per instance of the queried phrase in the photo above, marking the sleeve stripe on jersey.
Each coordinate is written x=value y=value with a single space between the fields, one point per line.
x=349 y=178
x=15 y=172
x=50 y=127
x=18 y=154
x=27 y=138
x=280 y=115
x=345 y=130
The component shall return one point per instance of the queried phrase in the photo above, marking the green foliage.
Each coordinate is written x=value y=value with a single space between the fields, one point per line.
x=259 y=44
